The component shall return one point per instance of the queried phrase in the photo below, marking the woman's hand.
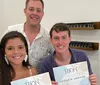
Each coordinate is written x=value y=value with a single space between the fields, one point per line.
x=54 y=83
x=93 y=79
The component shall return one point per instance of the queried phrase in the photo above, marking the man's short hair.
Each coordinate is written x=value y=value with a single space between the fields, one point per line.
x=58 y=27
x=34 y=0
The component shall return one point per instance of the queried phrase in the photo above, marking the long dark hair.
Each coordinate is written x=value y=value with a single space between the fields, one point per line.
x=4 y=40
x=5 y=76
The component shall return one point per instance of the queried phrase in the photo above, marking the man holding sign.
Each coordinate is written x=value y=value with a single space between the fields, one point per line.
x=63 y=55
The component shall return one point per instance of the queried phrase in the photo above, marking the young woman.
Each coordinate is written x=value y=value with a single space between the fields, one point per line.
x=14 y=56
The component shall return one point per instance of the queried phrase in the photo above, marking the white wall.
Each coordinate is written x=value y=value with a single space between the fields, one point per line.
x=11 y=13
x=1 y=16
x=70 y=11
x=59 y=11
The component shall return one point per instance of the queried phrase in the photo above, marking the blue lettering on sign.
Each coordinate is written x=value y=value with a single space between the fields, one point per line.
x=34 y=82
x=70 y=70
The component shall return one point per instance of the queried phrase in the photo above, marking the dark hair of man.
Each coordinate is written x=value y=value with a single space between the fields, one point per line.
x=4 y=40
x=34 y=0
x=59 y=27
